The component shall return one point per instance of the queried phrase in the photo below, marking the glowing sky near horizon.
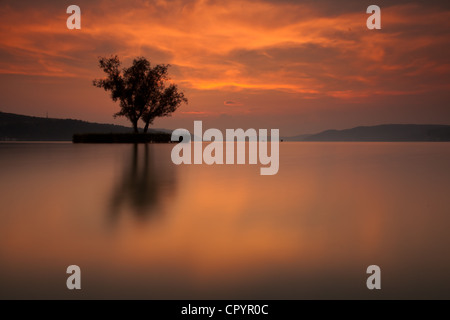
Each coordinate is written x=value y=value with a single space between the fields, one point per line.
x=301 y=66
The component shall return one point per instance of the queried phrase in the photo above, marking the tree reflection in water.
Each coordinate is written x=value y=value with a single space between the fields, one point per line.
x=145 y=183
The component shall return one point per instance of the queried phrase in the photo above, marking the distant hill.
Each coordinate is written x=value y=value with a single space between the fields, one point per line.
x=300 y=137
x=385 y=132
x=25 y=128
x=14 y=127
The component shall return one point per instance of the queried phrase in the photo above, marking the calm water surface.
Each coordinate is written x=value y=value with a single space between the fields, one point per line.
x=140 y=227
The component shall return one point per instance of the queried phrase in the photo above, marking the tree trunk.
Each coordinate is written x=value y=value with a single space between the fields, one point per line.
x=146 y=127
x=135 y=127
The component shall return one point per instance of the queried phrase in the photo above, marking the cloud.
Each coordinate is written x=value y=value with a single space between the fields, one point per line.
x=232 y=103
x=238 y=44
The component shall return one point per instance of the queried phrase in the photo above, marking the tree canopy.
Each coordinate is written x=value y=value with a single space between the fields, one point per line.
x=143 y=91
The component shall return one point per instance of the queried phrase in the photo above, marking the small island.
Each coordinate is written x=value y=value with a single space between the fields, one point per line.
x=154 y=137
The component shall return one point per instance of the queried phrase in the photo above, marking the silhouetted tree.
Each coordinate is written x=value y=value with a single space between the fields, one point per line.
x=141 y=90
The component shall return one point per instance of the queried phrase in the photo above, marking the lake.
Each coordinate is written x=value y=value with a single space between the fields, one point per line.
x=141 y=227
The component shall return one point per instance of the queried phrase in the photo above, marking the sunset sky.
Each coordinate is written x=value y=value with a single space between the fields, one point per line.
x=300 y=66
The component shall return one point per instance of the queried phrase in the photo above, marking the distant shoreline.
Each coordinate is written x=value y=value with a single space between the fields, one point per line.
x=382 y=133
x=14 y=128
x=206 y=142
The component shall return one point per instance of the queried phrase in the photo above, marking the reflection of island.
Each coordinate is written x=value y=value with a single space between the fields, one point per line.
x=144 y=184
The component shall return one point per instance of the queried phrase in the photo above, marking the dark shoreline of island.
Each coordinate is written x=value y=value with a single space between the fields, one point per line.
x=14 y=127
x=156 y=137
